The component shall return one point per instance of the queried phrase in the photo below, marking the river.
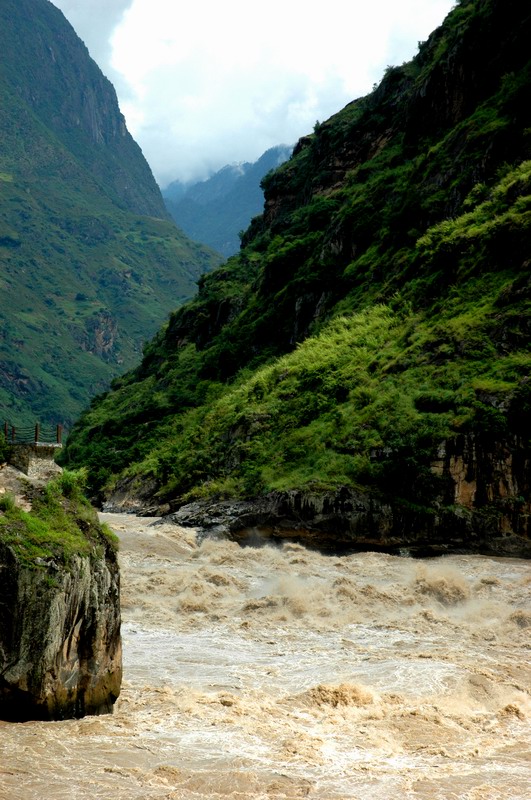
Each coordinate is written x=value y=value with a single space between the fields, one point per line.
x=277 y=672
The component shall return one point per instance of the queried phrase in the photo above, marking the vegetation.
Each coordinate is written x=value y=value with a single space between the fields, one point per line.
x=379 y=307
x=61 y=524
x=4 y=448
x=91 y=264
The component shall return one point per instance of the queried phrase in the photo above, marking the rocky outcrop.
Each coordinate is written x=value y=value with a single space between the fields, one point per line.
x=347 y=520
x=326 y=521
x=101 y=334
x=134 y=496
x=488 y=478
x=60 y=645
x=483 y=505
x=36 y=460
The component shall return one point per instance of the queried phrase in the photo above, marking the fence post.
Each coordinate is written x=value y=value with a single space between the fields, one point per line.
x=6 y=431
x=37 y=431
x=59 y=434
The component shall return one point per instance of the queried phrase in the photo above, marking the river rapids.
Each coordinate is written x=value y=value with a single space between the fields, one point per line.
x=277 y=672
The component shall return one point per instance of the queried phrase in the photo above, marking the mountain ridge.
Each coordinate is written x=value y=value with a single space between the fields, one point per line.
x=50 y=69
x=91 y=263
x=368 y=346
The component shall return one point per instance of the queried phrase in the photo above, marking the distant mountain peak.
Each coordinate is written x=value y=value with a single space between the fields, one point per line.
x=215 y=210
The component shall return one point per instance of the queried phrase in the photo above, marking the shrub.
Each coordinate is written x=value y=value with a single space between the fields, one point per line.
x=7 y=502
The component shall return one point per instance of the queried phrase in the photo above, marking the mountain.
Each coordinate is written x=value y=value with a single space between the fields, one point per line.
x=90 y=262
x=359 y=372
x=216 y=210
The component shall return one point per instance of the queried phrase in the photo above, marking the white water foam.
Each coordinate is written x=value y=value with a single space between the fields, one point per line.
x=281 y=673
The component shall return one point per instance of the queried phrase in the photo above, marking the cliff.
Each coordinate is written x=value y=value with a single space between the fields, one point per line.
x=60 y=645
x=91 y=262
x=371 y=338
x=49 y=69
x=480 y=507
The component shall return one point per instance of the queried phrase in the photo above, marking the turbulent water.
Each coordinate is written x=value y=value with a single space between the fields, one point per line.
x=282 y=673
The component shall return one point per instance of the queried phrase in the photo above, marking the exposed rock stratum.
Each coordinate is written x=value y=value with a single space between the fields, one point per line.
x=60 y=645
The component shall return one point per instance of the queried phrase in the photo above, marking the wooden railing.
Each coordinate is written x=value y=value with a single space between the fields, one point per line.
x=34 y=434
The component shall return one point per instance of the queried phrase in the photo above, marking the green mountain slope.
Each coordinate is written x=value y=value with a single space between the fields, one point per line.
x=90 y=263
x=372 y=337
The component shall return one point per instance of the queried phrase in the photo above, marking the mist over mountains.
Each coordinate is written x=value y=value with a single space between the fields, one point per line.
x=215 y=211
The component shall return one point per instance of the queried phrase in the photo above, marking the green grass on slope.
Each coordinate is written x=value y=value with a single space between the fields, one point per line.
x=324 y=415
x=84 y=284
x=61 y=524
x=383 y=380
x=366 y=401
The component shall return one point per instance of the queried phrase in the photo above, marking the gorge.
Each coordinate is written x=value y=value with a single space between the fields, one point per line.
x=371 y=338
x=342 y=400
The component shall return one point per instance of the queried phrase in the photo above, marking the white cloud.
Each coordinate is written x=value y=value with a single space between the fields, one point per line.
x=209 y=83
x=94 y=21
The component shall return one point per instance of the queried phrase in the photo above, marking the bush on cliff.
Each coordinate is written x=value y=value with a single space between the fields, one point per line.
x=61 y=523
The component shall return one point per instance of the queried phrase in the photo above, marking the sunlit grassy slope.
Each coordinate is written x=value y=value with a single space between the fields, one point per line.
x=379 y=307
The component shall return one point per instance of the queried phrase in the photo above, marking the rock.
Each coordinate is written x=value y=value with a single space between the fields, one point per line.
x=482 y=504
x=133 y=496
x=60 y=646
x=346 y=519
x=328 y=521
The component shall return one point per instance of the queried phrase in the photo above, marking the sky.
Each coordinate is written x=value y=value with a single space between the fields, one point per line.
x=208 y=83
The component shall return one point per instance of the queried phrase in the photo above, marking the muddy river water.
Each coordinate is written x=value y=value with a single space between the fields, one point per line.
x=277 y=672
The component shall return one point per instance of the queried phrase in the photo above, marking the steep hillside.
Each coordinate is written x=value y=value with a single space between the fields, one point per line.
x=216 y=210
x=49 y=72
x=91 y=264
x=362 y=366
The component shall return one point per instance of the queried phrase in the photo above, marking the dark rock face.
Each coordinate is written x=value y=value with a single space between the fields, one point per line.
x=60 y=646
x=326 y=521
x=477 y=509
x=134 y=496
